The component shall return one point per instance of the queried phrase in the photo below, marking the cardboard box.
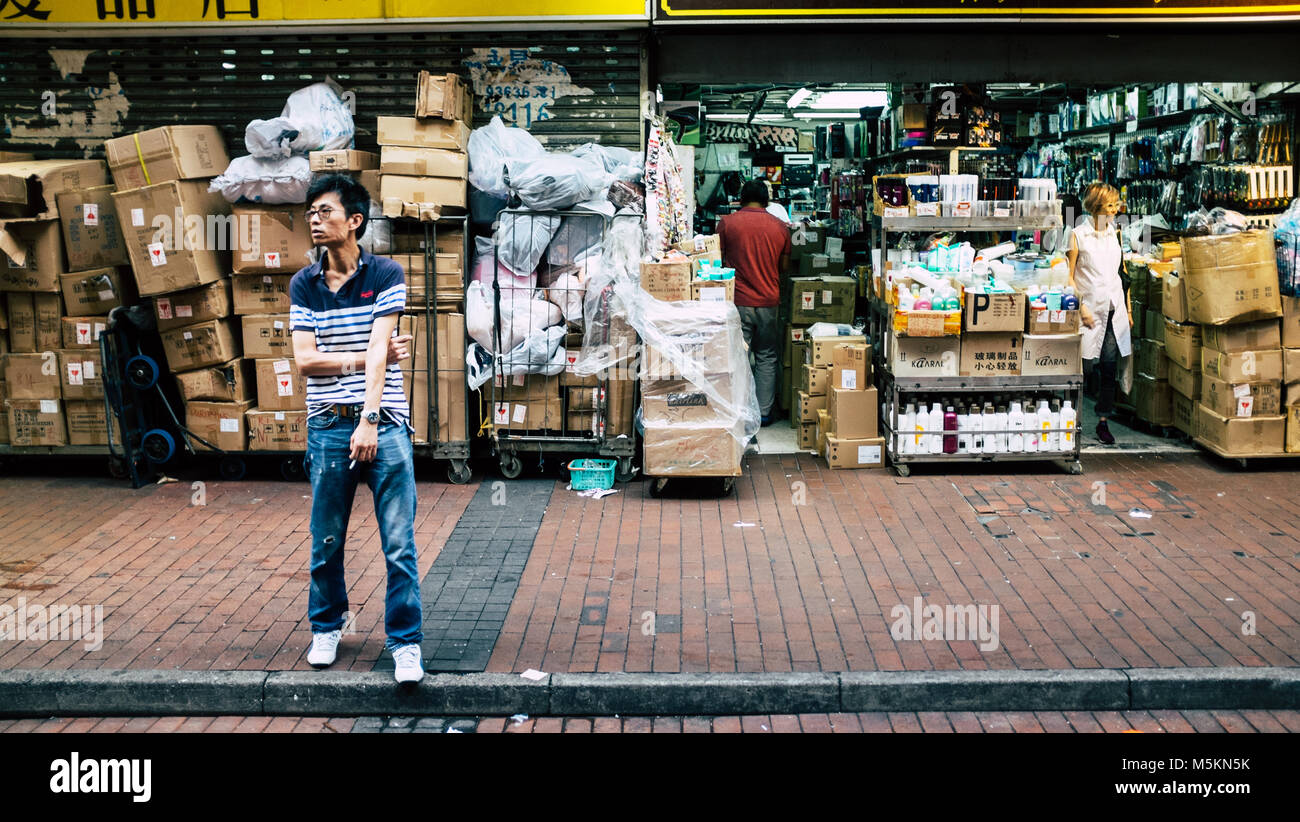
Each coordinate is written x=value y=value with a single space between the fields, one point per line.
x=163 y=154
x=408 y=131
x=670 y=282
x=267 y=336
x=342 y=159
x=1293 y=429
x=923 y=356
x=569 y=377
x=821 y=265
x=700 y=244
x=36 y=422
x=280 y=387
x=851 y=367
x=804 y=240
x=1185 y=381
x=993 y=312
x=854 y=414
x=81 y=373
x=820 y=351
x=1184 y=414
x=260 y=293
x=87 y=422
x=713 y=290
x=530 y=415
x=806 y=433
x=708 y=345
x=423 y=162
x=1238 y=436
x=1054 y=355
x=863 y=452
x=1256 y=336
x=92 y=237
x=233 y=381
x=1042 y=322
x=30 y=188
x=1243 y=366
x=1183 y=344
x=1246 y=399
x=49 y=321
x=807 y=405
x=822 y=299
x=1154 y=326
x=167 y=256
x=1150 y=359
x=691 y=450
x=527 y=387
x=32 y=258
x=32 y=376
x=220 y=423
x=276 y=430
x=270 y=239
x=1153 y=400
x=1174 y=298
x=682 y=403
x=814 y=380
x=212 y=342
x=98 y=291
x=1231 y=278
x=369 y=180
x=991 y=354
x=449 y=371
x=442 y=191
x=1291 y=365
x=1291 y=322
x=445 y=96
x=209 y=302
x=824 y=429
x=20 y=316
x=1138 y=313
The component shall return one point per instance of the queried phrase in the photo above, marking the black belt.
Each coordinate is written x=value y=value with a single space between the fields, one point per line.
x=348 y=411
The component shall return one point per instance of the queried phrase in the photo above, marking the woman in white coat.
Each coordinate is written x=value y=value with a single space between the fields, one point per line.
x=1095 y=256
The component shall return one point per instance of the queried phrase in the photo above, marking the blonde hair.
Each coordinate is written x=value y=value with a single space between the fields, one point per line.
x=1097 y=196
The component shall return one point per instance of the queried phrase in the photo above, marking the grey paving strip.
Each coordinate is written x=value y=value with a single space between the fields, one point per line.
x=42 y=693
x=468 y=590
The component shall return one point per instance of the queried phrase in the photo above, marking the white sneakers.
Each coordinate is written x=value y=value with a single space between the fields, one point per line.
x=409 y=666
x=324 y=648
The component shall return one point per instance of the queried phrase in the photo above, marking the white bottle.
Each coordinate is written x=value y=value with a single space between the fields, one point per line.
x=1016 y=425
x=919 y=443
x=1048 y=420
x=975 y=421
x=990 y=429
x=1000 y=422
x=1067 y=423
x=906 y=424
x=1032 y=434
x=934 y=442
x=963 y=430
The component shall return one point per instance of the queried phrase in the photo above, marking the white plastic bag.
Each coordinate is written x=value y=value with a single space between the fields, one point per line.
x=378 y=238
x=273 y=182
x=623 y=163
x=557 y=181
x=541 y=352
x=567 y=292
x=321 y=117
x=491 y=148
x=579 y=234
x=270 y=139
x=521 y=239
x=520 y=317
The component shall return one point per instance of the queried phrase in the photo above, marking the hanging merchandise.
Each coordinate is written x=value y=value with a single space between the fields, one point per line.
x=667 y=219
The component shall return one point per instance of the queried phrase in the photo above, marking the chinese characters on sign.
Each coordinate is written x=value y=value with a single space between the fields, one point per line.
x=509 y=82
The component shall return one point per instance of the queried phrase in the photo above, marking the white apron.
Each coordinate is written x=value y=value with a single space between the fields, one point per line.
x=1096 y=280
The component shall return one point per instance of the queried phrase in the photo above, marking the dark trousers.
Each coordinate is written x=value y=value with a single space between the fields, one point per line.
x=1100 y=373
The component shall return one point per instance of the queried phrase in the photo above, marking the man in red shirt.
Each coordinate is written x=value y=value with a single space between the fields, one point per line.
x=757 y=245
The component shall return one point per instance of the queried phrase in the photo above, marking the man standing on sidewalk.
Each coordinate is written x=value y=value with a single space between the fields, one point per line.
x=757 y=245
x=344 y=312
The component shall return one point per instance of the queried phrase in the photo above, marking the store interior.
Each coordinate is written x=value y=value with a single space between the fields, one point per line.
x=1173 y=150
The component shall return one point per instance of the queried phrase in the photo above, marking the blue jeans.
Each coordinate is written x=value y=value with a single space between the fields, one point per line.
x=391 y=478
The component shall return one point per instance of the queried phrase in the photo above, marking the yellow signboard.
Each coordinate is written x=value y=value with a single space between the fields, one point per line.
x=28 y=13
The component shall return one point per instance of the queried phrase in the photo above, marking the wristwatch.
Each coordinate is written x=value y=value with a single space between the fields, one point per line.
x=371 y=417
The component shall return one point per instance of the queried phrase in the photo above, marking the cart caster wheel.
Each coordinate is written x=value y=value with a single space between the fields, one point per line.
x=292 y=470
x=458 y=472
x=511 y=466
x=117 y=468
x=1074 y=467
x=158 y=445
x=232 y=468
x=624 y=472
x=903 y=470
x=142 y=372
x=658 y=485
x=563 y=470
x=727 y=485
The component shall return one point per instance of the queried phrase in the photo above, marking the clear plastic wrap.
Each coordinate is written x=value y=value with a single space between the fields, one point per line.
x=521 y=238
x=623 y=163
x=608 y=339
x=274 y=182
x=567 y=292
x=270 y=139
x=555 y=182
x=579 y=233
x=378 y=238
x=491 y=148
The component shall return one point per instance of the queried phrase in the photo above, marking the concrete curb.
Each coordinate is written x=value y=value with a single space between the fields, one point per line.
x=42 y=693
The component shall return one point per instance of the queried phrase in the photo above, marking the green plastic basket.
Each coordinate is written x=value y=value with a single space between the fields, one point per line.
x=587 y=474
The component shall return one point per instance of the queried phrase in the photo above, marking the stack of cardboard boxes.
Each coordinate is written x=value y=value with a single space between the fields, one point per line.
x=848 y=428
x=1182 y=342
x=810 y=415
x=423 y=164
x=1231 y=288
x=44 y=349
x=820 y=294
x=1153 y=394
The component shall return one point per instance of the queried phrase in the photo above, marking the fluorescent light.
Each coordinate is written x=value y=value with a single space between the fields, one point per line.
x=827 y=115
x=798 y=97
x=850 y=99
x=742 y=118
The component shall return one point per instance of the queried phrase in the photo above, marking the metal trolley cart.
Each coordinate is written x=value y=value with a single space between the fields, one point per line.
x=527 y=416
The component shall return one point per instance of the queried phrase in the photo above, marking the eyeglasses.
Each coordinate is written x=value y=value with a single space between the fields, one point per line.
x=323 y=212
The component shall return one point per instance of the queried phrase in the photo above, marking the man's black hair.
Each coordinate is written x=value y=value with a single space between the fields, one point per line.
x=353 y=195
x=754 y=191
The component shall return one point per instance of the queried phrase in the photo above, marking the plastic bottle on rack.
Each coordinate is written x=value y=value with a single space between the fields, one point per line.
x=990 y=429
x=1053 y=437
x=1068 y=419
x=1000 y=422
x=920 y=445
x=906 y=425
x=950 y=424
x=963 y=429
x=1069 y=302
x=1016 y=426
x=934 y=442
x=1032 y=433
x=975 y=423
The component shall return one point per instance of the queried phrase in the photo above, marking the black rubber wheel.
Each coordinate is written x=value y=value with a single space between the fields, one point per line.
x=657 y=486
x=511 y=465
x=158 y=445
x=117 y=468
x=565 y=475
x=142 y=372
x=624 y=471
x=458 y=472
x=232 y=469
x=292 y=469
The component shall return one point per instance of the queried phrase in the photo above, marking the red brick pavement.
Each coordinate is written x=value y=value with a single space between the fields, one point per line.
x=754 y=582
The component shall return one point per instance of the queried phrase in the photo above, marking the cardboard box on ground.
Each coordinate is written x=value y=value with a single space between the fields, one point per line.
x=159 y=155
x=220 y=423
x=1241 y=436
x=195 y=305
x=81 y=373
x=276 y=430
x=192 y=227
x=231 y=381
x=97 y=291
x=280 y=386
x=34 y=321
x=36 y=422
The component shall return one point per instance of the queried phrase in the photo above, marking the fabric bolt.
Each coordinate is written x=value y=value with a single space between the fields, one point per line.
x=753 y=243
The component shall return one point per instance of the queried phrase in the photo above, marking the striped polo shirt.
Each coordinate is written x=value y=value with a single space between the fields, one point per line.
x=342 y=321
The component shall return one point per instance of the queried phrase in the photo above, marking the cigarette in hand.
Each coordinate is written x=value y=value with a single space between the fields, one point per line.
x=352 y=465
